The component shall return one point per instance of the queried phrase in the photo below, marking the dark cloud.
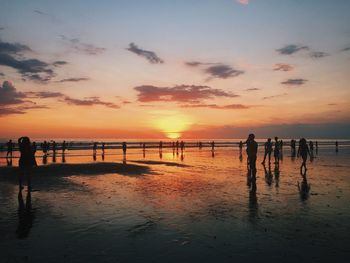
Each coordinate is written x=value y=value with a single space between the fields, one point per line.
x=182 y=93
x=88 y=49
x=32 y=69
x=59 y=63
x=294 y=82
x=216 y=70
x=291 y=49
x=10 y=111
x=318 y=54
x=223 y=71
x=73 y=80
x=274 y=96
x=283 y=67
x=252 y=89
x=89 y=102
x=346 y=49
x=220 y=107
x=13 y=48
x=9 y=95
x=44 y=94
x=149 y=55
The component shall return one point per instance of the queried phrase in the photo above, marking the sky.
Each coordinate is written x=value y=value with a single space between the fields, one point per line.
x=175 y=68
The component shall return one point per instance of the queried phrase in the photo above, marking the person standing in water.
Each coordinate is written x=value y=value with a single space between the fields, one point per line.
x=9 y=145
x=268 y=150
x=252 y=149
x=276 y=152
x=64 y=147
x=26 y=160
x=124 y=146
x=336 y=146
x=303 y=151
x=212 y=146
x=94 y=148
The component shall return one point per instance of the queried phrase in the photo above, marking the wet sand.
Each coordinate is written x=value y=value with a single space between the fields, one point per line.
x=192 y=208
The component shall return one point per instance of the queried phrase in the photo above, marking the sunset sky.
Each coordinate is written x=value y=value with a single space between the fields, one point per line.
x=175 y=68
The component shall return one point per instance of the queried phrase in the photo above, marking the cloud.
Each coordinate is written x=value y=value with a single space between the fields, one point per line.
x=215 y=106
x=318 y=54
x=332 y=104
x=252 y=89
x=291 y=49
x=43 y=94
x=32 y=69
x=346 y=49
x=89 y=102
x=283 y=67
x=294 y=82
x=216 y=70
x=50 y=17
x=274 y=96
x=2 y=28
x=181 y=93
x=149 y=55
x=59 y=63
x=85 y=48
x=9 y=95
x=2 y=74
x=13 y=48
x=73 y=79
x=243 y=2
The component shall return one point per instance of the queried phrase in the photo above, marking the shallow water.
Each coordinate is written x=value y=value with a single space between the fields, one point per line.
x=202 y=211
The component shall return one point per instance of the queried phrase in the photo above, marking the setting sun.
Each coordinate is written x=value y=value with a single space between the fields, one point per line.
x=172 y=124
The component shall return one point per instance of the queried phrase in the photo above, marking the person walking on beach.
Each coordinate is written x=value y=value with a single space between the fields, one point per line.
x=44 y=147
x=160 y=146
x=182 y=146
x=268 y=150
x=9 y=145
x=252 y=149
x=240 y=145
x=311 y=147
x=292 y=146
x=212 y=146
x=303 y=151
x=276 y=151
x=124 y=146
x=103 y=148
x=26 y=160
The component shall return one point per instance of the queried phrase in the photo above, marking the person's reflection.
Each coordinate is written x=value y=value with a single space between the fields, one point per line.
x=103 y=156
x=144 y=154
x=25 y=214
x=63 y=158
x=213 y=153
x=182 y=156
x=54 y=157
x=45 y=159
x=268 y=175
x=277 y=174
x=253 y=200
x=124 y=159
x=304 y=187
x=94 y=156
x=9 y=161
x=160 y=155
x=240 y=156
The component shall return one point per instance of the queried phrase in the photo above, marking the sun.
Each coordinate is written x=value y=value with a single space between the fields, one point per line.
x=172 y=124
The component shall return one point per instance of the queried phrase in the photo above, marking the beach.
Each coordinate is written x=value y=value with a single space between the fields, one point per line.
x=195 y=207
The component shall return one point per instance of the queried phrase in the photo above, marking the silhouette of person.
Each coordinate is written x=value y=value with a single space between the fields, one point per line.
x=64 y=147
x=25 y=214
x=212 y=146
x=160 y=146
x=268 y=150
x=336 y=146
x=177 y=146
x=182 y=146
x=9 y=145
x=303 y=151
x=54 y=147
x=252 y=149
x=63 y=157
x=94 y=148
x=240 y=145
x=311 y=147
x=316 y=147
x=124 y=146
x=103 y=148
x=293 y=148
x=44 y=147
x=26 y=160
x=200 y=145
x=45 y=159
x=276 y=151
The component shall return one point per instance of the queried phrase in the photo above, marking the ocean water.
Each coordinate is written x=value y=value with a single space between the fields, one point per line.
x=195 y=207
